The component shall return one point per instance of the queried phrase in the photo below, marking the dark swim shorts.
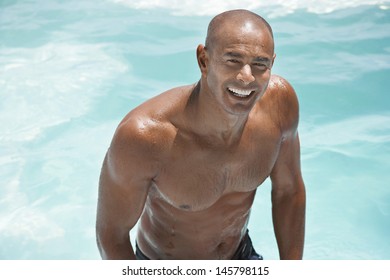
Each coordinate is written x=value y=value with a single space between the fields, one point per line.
x=245 y=251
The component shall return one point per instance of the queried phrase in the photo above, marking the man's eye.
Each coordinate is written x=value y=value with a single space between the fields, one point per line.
x=233 y=61
x=260 y=66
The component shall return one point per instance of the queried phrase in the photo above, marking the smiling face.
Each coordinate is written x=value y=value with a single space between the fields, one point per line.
x=237 y=63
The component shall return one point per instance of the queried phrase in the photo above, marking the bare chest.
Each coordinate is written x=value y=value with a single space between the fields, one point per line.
x=194 y=178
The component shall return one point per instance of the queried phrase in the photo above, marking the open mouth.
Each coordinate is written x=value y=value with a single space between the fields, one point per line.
x=240 y=92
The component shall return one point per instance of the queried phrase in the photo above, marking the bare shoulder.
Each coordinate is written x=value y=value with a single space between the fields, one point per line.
x=153 y=119
x=146 y=132
x=132 y=151
x=147 y=127
x=284 y=102
x=138 y=133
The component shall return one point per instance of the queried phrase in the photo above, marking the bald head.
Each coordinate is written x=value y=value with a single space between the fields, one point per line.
x=225 y=22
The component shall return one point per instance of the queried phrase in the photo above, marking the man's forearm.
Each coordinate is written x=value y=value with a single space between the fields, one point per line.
x=288 y=212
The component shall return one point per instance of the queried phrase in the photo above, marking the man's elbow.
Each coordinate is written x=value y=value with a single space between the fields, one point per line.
x=289 y=192
x=113 y=242
x=101 y=240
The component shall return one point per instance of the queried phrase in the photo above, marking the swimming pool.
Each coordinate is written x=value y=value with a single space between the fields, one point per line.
x=69 y=72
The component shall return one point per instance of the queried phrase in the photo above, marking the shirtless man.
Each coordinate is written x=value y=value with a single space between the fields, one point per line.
x=187 y=163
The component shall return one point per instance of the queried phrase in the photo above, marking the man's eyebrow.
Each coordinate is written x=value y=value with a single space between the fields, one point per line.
x=233 y=54
x=261 y=59
x=256 y=59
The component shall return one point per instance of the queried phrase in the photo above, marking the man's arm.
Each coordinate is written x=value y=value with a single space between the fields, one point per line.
x=288 y=189
x=125 y=178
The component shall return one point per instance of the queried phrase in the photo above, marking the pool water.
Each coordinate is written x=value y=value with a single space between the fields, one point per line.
x=70 y=71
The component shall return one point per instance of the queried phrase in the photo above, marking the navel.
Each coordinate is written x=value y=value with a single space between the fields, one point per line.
x=185 y=207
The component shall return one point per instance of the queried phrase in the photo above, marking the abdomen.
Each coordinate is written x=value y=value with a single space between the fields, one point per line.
x=168 y=232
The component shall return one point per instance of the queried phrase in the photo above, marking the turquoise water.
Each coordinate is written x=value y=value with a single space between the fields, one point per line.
x=70 y=70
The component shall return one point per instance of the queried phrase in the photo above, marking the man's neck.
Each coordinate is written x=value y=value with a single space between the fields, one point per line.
x=208 y=119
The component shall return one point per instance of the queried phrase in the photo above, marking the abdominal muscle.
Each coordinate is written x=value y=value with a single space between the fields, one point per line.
x=168 y=232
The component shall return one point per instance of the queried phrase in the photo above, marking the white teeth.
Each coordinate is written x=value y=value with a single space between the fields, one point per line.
x=240 y=92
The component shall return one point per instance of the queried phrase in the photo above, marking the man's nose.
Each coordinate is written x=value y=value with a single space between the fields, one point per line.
x=245 y=75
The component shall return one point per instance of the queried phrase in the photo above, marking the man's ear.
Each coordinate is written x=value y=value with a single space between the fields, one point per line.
x=201 y=55
x=273 y=60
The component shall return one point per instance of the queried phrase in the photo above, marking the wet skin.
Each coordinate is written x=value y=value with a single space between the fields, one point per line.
x=186 y=164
